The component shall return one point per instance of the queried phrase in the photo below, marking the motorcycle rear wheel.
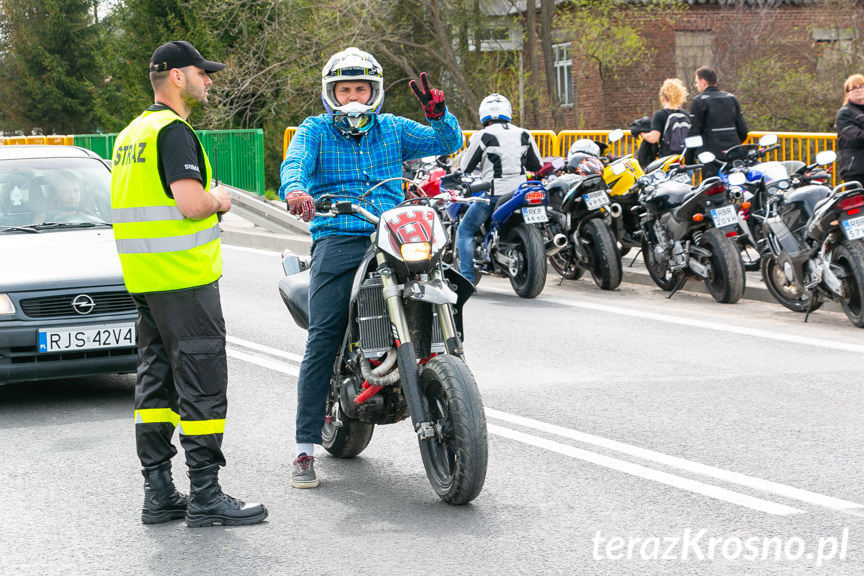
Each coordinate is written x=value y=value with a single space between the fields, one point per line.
x=456 y=458
x=530 y=277
x=784 y=291
x=660 y=274
x=347 y=440
x=605 y=259
x=850 y=257
x=726 y=279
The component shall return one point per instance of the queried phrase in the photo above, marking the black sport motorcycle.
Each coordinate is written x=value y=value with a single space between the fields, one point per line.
x=402 y=352
x=814 y=238
x=686 y=232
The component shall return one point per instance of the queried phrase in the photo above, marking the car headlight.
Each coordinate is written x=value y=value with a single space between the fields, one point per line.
x=416 y=251
x=6 y=306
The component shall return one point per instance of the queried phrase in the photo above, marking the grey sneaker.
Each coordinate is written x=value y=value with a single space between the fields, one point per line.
x=303 y=475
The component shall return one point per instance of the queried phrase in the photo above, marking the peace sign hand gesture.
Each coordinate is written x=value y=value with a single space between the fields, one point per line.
x=432 y=99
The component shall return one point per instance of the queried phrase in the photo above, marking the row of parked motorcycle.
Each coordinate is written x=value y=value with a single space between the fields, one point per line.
x=583 y=213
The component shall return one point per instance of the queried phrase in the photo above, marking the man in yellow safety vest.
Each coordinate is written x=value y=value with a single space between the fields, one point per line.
x=168 y=238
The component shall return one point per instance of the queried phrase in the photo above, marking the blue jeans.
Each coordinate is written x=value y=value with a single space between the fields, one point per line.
x=334 y=262
x=468 y=227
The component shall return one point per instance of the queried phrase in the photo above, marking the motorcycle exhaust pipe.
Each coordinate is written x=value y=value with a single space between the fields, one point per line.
x=736 y=194
x=558 y=242
x=615 y=210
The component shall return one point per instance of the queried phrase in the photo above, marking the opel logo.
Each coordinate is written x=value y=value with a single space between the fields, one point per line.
x=83 y=304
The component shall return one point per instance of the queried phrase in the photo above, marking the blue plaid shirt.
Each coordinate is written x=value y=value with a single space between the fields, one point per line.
x=321 y=160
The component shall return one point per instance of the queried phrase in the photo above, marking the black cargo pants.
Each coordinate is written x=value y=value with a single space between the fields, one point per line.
x=182 y=375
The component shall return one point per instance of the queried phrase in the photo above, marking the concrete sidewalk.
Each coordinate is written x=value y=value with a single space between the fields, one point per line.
x=240 y=232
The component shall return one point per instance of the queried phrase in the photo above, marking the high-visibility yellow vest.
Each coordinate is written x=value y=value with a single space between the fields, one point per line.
x=160 y=248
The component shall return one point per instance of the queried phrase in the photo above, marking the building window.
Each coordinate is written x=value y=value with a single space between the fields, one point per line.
x=563 y=73
x=692 y=50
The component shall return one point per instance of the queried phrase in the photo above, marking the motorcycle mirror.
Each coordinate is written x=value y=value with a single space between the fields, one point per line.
x=616 y=135
x=826 y=157
x=737 y=178
x=768 y=140
x=693 y=142
x=705 y=157
x=618 y=168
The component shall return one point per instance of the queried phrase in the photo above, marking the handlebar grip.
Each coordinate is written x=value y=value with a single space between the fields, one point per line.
x=480 y=187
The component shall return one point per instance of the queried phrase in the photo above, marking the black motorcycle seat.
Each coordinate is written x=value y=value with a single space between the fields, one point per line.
x=810 y=197
x=294 y=290
x=670 y=194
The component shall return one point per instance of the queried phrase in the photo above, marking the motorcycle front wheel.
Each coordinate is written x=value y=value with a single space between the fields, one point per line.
x=529 y=275
x=785 y=291
x=725 y=280
x=660 y=273
x=605 y=259
x=455 y=458
x=347 y=440
x=850 y=257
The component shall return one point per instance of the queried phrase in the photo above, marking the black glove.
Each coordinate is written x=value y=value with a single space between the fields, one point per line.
x=640 y=126
x=432 y=99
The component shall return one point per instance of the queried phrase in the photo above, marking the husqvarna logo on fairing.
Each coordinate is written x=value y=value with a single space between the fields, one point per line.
x=410 y=226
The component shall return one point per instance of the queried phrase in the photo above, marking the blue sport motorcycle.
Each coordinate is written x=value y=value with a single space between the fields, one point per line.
x=510 y=243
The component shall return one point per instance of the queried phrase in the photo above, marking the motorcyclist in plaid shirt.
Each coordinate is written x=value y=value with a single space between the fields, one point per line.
x=346 y=151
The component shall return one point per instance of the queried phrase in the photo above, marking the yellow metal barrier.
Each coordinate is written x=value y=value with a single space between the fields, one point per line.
x=547 y=142
x=11 y=140
x=53 y=139
x=286 y=138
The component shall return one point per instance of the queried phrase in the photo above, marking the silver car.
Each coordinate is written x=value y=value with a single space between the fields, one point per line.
x=64 y=310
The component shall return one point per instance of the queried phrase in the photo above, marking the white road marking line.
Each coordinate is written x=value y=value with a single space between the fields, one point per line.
x=648 y=473
x=265 y=362
x=694 y=323
x=255 y=347
x=599 y=459
x=253 y=250
x=681 y=463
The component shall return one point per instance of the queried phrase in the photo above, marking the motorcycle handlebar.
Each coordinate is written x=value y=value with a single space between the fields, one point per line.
x=478 y=187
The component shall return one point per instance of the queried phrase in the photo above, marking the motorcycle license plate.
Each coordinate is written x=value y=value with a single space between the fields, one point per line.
x=725 y=216
x=534 y=215
x=87 y=338
x=854 y=228
x=595 y=200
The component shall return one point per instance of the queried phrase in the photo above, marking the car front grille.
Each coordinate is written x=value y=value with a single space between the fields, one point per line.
x=60 y=306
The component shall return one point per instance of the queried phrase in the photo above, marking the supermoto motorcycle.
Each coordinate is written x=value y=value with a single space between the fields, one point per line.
x=815 y=244
x=686 y=232
x=579 y=233
x=401 y=355
x=510 y=243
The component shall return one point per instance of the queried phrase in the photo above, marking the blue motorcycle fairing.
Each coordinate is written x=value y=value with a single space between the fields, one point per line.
x=507 y=206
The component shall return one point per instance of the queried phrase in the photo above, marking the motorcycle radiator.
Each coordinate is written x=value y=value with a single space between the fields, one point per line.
x=373 y=321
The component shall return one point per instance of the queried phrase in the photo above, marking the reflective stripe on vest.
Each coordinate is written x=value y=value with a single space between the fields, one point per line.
x=202 y=427
x=157 y=416
x=146 y=214
x=169 y=244
x=160 y=249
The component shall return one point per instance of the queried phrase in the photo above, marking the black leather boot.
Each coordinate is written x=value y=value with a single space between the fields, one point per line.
x=162 y=502
x=208 y=505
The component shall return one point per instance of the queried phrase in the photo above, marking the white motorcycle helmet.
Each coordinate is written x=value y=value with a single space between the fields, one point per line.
x=495 y=107
x=350 y=65
x=585 y=146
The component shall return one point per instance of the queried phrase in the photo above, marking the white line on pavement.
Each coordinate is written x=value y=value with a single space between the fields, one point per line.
x=692 y=322
x=253 y=250
x=255 y=347
x=676 y=462
x=648 y=473
x=599 y=459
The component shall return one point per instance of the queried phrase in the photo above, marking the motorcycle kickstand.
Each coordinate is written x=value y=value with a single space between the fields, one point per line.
x=809 y=306
x=638 y=252
x=678 y=286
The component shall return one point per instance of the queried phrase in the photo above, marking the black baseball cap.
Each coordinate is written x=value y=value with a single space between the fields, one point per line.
x=179 y=54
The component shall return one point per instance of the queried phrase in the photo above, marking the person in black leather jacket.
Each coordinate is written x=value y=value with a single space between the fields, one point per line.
x=850 y=130
x=716 y=116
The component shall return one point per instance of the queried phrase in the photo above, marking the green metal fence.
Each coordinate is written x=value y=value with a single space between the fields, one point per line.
x=237 y=156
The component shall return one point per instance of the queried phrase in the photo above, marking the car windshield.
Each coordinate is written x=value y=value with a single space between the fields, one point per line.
x=54 y=191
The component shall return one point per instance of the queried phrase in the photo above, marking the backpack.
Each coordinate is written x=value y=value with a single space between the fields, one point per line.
x=675 y=132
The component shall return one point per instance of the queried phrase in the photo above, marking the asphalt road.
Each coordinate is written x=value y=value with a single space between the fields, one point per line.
x=629 y=434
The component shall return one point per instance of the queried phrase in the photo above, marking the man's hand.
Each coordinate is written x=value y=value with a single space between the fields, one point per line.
x=300 y=204
x=221 y=194
x=432 y=99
